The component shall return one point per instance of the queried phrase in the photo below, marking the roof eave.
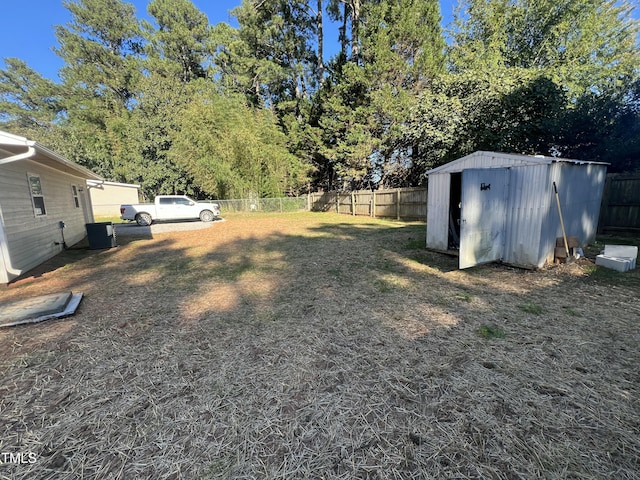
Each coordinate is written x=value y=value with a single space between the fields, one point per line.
x=82 y=171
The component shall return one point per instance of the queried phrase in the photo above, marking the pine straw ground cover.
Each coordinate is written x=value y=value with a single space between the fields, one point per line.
x=320 y=346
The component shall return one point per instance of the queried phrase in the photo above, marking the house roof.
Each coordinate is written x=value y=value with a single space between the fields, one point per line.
x=21 y=148
x=483 y=159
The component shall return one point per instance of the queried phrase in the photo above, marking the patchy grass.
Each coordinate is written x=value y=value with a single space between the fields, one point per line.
x=571 y=311
x=532 y=308
x=314 y=345
x=464 y=297
x=491 y=331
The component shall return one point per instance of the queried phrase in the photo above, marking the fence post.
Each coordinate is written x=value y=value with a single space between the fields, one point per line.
x=398 y=204
x=353 y=203
x=374 y=204
x=371 y=205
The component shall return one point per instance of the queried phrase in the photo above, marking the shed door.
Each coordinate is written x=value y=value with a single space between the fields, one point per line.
x=483 y=215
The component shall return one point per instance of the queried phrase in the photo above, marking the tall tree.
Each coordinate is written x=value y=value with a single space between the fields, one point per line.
x=28 y=101
x=101 y=48
x=234 y=150
x=583 y=45
x=348 y=14
x=181 y=45
x=516 y=111
x=400 y=51
x=153 y=126
x=178 y=53
x=605 y=127
x=272 y=56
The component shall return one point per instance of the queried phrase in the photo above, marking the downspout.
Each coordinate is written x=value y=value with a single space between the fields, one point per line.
x=21 y=156
x=4 y=254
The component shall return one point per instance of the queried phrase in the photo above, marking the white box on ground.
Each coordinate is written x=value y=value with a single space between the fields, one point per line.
x=622 y=251
x=619 y=264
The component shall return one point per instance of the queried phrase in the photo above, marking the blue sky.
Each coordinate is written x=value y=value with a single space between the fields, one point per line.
x=29 y=35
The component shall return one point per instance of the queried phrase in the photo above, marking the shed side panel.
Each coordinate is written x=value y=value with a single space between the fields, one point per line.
x=438 y=211
x=580 y=190
x=528 y=207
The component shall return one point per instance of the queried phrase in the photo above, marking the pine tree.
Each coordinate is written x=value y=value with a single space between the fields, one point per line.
x=30 y=103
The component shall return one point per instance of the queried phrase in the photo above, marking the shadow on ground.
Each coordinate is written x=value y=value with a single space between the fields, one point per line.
x=309 y=345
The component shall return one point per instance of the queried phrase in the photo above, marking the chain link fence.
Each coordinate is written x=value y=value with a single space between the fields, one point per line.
x=285 y=204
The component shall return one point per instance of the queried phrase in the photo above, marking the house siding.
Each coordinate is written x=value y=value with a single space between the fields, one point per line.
x=30 y=239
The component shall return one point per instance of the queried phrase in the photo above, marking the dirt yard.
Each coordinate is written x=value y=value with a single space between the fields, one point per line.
x=323 y=347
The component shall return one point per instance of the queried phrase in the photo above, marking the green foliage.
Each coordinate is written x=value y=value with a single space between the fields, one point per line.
x=491 y=331
x=150 y=132
x=367 y=100
x=182 y=43
x=531 y=307
x=508 y=110
x=234 y=150
x=583 y=45
x=100 y=48
x=270 y=58
x=28 y=101
x=181 y=106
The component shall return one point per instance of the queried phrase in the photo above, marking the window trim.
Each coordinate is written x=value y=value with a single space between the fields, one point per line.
x=75 y=193
x=33 y=195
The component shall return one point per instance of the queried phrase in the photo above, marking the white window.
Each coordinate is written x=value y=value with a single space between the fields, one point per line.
x=74 y=192
x=37 y=198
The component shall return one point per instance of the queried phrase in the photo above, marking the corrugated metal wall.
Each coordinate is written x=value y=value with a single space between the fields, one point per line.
x=580 y=190
x=526 y=210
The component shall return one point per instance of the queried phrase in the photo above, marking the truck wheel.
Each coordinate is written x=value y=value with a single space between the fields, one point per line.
x=206 y=216
x=143 y=219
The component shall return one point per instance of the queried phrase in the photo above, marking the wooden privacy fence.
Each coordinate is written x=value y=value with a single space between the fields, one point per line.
x=398 y=203
x=620 y=209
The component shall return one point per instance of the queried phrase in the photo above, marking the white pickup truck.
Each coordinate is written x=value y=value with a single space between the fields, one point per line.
x=170 y=207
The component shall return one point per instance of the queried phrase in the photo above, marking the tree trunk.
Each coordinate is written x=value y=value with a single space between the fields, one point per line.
x=355 y=29
x=343 y=31
x=320 y=45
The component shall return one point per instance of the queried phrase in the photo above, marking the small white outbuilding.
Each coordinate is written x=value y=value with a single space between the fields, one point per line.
x=491 y=206
x=106 y=197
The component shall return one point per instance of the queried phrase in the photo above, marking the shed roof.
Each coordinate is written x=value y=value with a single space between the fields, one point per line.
x=484 y=159
x=21 y=148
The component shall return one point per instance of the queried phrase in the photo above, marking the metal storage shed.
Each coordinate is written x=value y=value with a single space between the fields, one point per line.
x=492 y=206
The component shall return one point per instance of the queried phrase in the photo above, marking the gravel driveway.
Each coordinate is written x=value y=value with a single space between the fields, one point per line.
x=162 y=227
